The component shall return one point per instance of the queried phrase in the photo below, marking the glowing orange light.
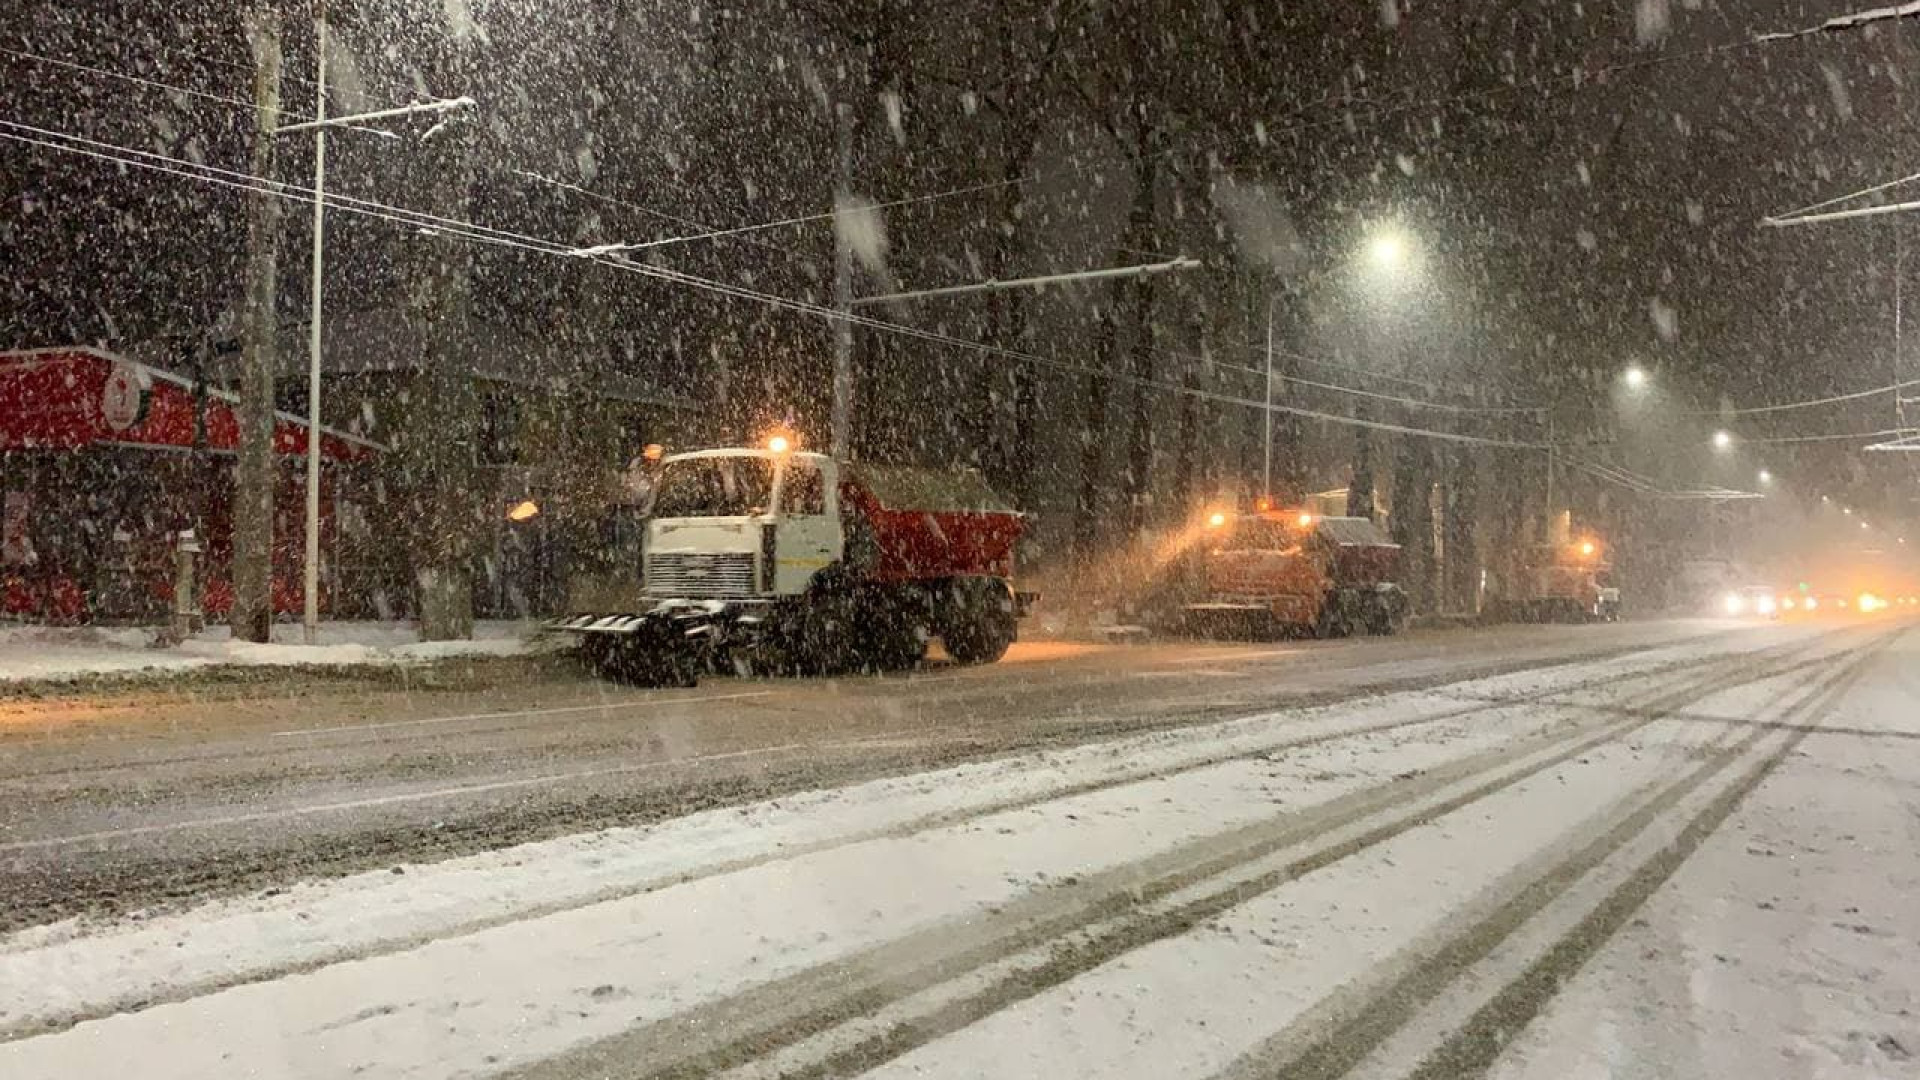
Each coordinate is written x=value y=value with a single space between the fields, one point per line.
x=779 y=444
x=1586 y=548
x=525 y=510
x=1306 y=521
x=653 y=451
x=1216 y=519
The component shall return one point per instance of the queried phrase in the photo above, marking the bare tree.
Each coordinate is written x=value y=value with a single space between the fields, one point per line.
x=254 y=473
x=441 y=444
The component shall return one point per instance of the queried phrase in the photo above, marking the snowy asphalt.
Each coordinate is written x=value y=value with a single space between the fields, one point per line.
x=1666 y=849
x=126 y=799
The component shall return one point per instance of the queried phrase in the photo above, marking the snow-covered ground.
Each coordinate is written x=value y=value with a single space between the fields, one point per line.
x=41 y=652
x=1367 y=888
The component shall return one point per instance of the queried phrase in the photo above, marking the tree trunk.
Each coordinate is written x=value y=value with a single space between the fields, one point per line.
x=1093 y=439
x=1186 y=448
x=254 y=474
x=1009 y=384
x=1463 y=551
x=1287 y=312
x=1140 y=237
x=453 y=503
x=1360 y=488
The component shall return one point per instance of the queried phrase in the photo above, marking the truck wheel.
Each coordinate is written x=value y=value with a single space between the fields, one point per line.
x=1333 y=621
x=892 y=639
x=984 y=639
x=978 y=624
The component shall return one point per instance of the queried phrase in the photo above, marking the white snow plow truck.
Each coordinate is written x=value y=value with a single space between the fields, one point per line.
x=781 y=559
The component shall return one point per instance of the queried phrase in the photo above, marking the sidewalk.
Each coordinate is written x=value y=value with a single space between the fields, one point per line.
x=31 y=653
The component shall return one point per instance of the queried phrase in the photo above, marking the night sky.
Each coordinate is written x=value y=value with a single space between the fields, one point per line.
x=1583 y=184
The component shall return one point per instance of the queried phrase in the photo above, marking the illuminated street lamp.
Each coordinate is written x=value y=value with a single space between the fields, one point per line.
x=1722 y=440
x=1388 y=249
x=1766 y=477
x=1636 y=377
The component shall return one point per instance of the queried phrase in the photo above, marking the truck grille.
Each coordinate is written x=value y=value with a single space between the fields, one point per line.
x=700 y=575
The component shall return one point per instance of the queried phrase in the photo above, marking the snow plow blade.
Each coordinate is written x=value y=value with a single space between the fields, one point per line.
x=665 y=646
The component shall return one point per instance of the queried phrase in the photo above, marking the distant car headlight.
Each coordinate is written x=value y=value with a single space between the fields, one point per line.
x=1733 y=605
x=1764 y=605
x=1812 y=604
x=1787 y=604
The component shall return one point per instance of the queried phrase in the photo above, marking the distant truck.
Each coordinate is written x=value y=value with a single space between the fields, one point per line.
x=1289 y=571
x=809 y=563
x=1569 y=581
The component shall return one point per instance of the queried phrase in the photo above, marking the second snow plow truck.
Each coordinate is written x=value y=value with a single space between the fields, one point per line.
x=804 y=562
x=1290 y=571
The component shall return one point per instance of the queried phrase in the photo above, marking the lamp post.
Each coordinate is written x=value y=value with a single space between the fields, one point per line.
x=310 y=606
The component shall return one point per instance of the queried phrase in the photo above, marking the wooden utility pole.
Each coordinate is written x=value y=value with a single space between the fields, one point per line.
x=254 y=474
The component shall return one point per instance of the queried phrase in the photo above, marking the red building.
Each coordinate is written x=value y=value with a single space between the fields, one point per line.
x=103 y=460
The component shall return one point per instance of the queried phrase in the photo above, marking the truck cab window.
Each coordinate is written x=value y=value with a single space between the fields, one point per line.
x=806 y=490
x=714 y=487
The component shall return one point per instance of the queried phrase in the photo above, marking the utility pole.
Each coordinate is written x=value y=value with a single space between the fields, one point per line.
x=310 y=613
x=842 y=422
x=1551 y=464
x=310 y=610
x=254 y=475
x=1266 y=459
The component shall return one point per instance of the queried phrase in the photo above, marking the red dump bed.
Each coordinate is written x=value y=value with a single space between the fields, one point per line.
x=933 y=524
x=1361 y=552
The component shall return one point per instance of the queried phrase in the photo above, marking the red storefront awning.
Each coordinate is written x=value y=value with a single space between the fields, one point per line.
x=71 y=398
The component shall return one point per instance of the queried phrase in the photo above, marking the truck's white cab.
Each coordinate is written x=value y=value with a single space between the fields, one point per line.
x=742 y=523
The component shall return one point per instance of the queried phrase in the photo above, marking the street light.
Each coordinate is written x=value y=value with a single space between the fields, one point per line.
x=1722 y=440
x=318 y=126
x=1388 y=249
x=1636 y=377
x=1766 y=477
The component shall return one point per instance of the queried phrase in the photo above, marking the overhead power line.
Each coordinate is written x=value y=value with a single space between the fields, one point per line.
x=1778 y=219
x=169 y=88
x=1858 y=436
x=64 y=142
x=1847 y=22
x=1041 y=281
x=826 y=215
x=1809 y=404
x=1647 y=485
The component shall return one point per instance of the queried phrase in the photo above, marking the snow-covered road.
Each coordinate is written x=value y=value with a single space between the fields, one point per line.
x=1692 y=859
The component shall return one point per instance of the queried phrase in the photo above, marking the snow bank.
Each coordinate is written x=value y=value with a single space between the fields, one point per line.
x=40 y=652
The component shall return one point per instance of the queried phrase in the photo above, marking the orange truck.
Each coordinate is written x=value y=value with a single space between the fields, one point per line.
x=1570 y=581
x=1292 y=571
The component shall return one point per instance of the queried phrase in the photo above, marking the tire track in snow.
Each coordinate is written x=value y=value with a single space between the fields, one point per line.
x=1472 y=1050
x=1342 y=1033
x=947 y=818
x=1079 y=926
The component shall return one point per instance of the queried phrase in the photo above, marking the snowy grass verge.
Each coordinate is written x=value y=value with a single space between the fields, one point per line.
x=53 y=655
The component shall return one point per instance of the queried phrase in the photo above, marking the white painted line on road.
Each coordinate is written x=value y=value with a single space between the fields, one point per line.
x=524 y=712
x=1228 y=658
x=392 y=800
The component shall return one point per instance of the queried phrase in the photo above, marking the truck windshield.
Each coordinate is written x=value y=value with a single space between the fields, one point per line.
x=714 y=487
